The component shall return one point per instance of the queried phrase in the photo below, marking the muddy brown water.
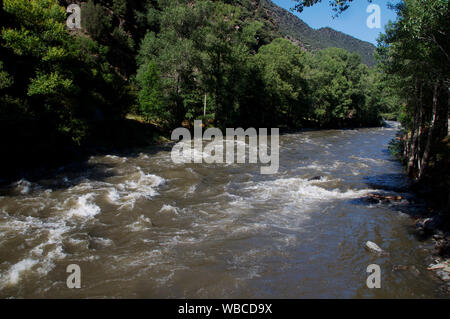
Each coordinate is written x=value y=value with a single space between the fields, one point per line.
x=140 y=226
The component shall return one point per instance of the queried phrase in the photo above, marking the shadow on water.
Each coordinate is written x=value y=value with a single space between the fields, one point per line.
x=79 y=170
x=396 y=182
x=393 y=191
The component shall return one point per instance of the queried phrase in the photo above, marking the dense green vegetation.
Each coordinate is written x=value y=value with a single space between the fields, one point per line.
x=219 y=52
x=414 y=52
x=167 y=62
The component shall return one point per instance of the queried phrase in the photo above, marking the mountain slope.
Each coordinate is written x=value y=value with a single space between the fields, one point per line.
x=293 y=28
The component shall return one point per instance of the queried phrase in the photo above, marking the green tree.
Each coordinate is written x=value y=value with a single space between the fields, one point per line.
x=415 y=48
x=150 y=96
x=95 y=20
x=65 y=80
x=337 y=5
x=282 y=67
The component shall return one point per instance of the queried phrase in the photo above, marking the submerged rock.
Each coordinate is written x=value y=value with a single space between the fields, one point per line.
x=429 y=225
x=414 y=271
x=443 y=247
x=436 y=267
x=385 y=197
x=399 y=267
x=443 y=275
x=441 y=268
x=315 y=178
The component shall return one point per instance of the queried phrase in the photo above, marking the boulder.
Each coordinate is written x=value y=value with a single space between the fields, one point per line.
x=399 y=267
x=429 y=224
x=445 y=276
x=374 y=248
x=436 y=267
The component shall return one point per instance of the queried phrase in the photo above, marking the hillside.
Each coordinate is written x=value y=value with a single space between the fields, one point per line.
x=293 y=28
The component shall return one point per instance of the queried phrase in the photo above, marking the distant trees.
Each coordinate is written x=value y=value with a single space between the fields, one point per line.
x=95 y=20
x=213 y=51
x=341 y=94
x=337 y=5
x=151 y=99
x=281 y=64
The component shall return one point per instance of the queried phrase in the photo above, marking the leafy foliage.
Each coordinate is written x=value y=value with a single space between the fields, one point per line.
x=56 y=86
x=150 y=96
x=171 y=62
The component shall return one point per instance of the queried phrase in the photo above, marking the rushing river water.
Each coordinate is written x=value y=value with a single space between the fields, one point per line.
x=140 y=226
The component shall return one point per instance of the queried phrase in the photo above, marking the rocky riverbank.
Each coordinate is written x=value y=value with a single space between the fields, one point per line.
x=432 y=225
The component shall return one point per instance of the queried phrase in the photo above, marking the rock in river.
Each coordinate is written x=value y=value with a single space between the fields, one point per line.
x=315 y=178
x=371 y=246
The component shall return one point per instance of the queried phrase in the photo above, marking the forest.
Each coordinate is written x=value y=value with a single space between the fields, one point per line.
x=138 y=69
x=162 y=64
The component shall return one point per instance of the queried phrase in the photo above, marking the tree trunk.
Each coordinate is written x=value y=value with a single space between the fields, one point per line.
x=420 y=135
x=204 y=107
x=426 y=153
x=448 y=111
x=414 y=136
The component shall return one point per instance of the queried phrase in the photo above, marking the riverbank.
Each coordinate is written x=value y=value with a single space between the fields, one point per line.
x=429 y=224
x=33 y=155
x=434 y=188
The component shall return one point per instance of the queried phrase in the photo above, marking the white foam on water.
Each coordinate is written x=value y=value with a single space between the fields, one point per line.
x=189 y=154
x=316 y=165
x=139 y=185
x=116 y=158
x=370 y=160
x=191 y=190
x=299 y=189
x=13 y=276
x=81 y=187
x=143 y=223
x=45 y=253
x=50 y=230
x=63 y=211
x=23 y=186
x=113 y=195
x=85 y=207
x=248 y=230
x=283 y=203
x=105 y=242
x=169 y=209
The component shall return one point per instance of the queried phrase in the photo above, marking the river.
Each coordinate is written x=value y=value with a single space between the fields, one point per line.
x=140 y=226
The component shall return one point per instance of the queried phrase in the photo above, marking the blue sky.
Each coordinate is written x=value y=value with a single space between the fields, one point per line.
x=352 y=21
